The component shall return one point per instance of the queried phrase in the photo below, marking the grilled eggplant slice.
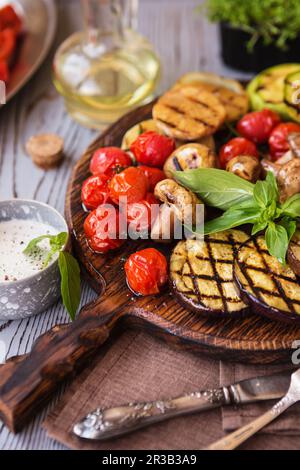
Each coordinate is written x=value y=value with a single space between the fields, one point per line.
x=201 y=273
x=293 y=254
x=271 y=289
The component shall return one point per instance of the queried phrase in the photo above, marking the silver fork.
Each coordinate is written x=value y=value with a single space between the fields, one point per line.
x=236 y=438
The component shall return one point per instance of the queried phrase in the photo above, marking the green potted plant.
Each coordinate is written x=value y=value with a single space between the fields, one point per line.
x=256 y=34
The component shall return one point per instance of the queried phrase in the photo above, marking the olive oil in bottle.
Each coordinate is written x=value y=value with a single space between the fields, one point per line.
x=108 y=69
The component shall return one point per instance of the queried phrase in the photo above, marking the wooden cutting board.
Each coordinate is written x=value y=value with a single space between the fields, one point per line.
x=27 y=382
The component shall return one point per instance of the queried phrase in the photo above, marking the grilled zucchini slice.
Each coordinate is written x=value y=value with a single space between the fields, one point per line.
x=271 y=289
x=267 y=90
x=133 y=133
x=201 y=273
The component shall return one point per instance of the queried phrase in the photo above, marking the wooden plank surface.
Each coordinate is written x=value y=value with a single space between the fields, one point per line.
x=185 y=41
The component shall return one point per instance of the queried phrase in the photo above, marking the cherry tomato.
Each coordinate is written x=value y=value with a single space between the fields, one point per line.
x=146 y=271
x=130 y=183
x=153 y=175
x=101 y=228
x=109 y=160
x=7 y=44
x=152 y=149
x=95 y=191
x=141 y=214
x=4 y=71
x=257 y=126
x=235 y=147
x=278 y=142
x=10 y=19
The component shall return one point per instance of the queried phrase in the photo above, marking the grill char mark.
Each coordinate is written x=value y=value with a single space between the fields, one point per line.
x=276 y=280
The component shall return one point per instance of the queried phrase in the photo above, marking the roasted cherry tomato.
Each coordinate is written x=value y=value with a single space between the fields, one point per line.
x=257 y=126
x=153 y=175
x=278 y=142
x=141 y=214
x=131 y=184
x=235 y=147
x=95 y=191
x=152 y=149
x=7 y=44
x=101 y=228
x=4 y=71
x=10 y=19
x=146 y=271
x=109 y=160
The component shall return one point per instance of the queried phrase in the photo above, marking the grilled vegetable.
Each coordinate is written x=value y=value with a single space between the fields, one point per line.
x=189 y=157
x=189 y=113
x=133 y=133
x=293 y=254
x=270 y=288
x=266 y=90
x=289 y=179
x=163 y=229
x=294 y=143
x=183 y=201
x=230 y=92
x=245 y=166
x=201 y=273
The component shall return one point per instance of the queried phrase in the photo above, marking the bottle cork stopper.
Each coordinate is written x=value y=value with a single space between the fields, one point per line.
x=46 y=150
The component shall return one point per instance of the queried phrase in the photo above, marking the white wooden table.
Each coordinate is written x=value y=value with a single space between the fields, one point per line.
x=185 y=41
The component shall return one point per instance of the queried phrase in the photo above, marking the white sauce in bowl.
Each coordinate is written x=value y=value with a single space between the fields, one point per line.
x=14 y=237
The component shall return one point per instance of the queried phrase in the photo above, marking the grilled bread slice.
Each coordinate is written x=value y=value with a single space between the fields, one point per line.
x=201 y=273
x=188 y=157
x=271 y=289
x=230 y=92
x=189 y=113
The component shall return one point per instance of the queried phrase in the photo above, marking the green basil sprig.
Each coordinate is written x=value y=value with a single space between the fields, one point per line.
x=246 y=203
x=68 y=266
x=217 y=188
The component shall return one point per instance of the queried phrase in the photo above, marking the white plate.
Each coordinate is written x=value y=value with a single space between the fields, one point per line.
x=40 y=19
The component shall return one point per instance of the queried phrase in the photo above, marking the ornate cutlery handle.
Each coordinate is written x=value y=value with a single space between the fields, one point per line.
x=112 y=422
x=236 y=438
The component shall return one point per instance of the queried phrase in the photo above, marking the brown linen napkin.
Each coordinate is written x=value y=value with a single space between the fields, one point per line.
x=138 y=367
x=234 y=417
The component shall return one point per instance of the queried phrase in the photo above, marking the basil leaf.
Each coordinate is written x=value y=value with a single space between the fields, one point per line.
x=70 y=282
x=290 y=225
x=271 y=180
x=277 y=241
x=217 y=188
x=229 y=220
x=57 y=242
x=33 y=243
x=291 y=207
x=258 y=227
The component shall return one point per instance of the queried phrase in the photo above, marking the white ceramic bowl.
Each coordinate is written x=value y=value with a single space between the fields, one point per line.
x=33 y=294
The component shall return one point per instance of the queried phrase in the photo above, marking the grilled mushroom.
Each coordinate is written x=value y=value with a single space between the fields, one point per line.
x=294 y=142
x=179 y=205
x=289 y=179
x=163 y=228
x=245 y=166
x=182 y=200
x=188 y=157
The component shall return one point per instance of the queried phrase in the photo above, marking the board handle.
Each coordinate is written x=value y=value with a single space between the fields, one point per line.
x=27 y=382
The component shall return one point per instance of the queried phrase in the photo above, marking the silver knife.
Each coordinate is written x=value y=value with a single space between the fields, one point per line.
x=112 y=422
